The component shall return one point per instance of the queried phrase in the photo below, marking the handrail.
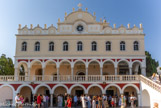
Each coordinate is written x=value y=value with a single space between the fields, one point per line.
x=70 y=78
x=151 y=83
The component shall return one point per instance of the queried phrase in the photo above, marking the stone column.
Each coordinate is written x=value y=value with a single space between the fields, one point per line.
x=86 y=74
x=58 y=73
x=130 y=70
x=72 y=73
x=115 y=70
x=101 y=73
x=51 y=100
x=29 y=74
x=16 y=74
x=143 y=71
x=43 y=73
x=139 y=100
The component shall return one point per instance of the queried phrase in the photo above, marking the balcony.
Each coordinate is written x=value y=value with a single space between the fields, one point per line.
x=70 y=78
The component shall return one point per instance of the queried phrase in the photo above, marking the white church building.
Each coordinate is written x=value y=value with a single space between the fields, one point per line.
x=80 y=56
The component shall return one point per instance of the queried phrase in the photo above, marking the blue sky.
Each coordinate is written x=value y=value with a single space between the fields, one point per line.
x=26 y=12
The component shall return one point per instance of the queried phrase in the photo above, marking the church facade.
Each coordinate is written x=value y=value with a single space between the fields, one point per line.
x=80 y=56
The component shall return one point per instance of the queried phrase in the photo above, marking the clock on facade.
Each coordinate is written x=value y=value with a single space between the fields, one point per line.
x=79 y=28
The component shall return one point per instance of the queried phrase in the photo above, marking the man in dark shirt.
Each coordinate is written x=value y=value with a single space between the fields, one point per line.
x=65 y=100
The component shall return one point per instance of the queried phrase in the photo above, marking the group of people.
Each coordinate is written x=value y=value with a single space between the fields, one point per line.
x=41 y=101
x=156 y=78
x=20 y=100
x=102 y=101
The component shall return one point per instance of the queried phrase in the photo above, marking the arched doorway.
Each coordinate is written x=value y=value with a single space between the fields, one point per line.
x=36 y=70
x=58 y=91
x=50 y=70
x=112 y=91
x=123 y=68
x=6 y=93
x=94 y=91
x=108 y=68
x=79 y=68
x=94 y=68
x=145 y=98
x=65 y=68
x=136 y=68
x=128 y=91
x=26 y=92
x=77 y=91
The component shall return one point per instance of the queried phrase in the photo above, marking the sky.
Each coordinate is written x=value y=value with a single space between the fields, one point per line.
x=26 y=12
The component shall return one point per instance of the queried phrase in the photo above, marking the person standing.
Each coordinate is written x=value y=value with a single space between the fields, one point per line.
x=44 y=101
x=83 y=102
x=39 y=100
x=47 y=101
x=17 y=100
x=65 y=99
x=69 y=102
x=89 y=101
x=75 y=101
x=100 y=102
x=94 y=102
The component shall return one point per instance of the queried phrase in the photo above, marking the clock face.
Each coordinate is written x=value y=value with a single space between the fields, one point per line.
x=79 y=28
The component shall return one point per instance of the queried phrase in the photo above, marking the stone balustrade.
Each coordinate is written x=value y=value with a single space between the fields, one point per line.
x=70 y=78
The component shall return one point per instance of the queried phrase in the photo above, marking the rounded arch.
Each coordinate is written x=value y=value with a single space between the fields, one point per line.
x=132 y=85
x=22 y=62
x=50 y=60
x=65 y=60
x=34 y=61
x=96 y=85
x=24 y=85
x=77 y=85
x=137 y=61
x=94 y=61
x=79 y=60
x=109 y=61
x=126 y=61
x=42 y=85
x=8 y=86
x=59 y=85
x=145 y=98
x=114 y=85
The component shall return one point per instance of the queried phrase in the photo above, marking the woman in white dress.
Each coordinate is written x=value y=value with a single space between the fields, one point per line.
x=94 y=102
x=83 y=102
x=89 y=101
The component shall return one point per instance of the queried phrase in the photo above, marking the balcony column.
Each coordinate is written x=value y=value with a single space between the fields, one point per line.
x=130 y=70
x=29 y=74
x=101 y=73
x=143 y=71
x=72 y=73
x=51 y=100
x=115 y=70
x=43 y=71
x=58 y=74
x=86 y=73
x=16 y=74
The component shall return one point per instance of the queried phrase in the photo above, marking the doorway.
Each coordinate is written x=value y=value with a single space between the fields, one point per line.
x=78 y=92
x=110 y=92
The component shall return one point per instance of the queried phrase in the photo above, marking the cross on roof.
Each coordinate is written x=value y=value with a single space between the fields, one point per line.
x=80 y=5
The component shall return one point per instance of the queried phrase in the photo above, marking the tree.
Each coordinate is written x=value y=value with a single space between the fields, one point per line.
x=6 y=65
x=151 y=64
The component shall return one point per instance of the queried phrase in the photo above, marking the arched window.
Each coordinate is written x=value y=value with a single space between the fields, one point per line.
x=79 y=46
x=65 y=46
x=24 y=46
x=136 y=46
x=94 y=46
x=51 y=46
x=108 y=46
x=37 y=46
x=122 y=46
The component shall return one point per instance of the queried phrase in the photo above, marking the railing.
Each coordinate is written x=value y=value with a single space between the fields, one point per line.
x=75 y=78
x=151 y=83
